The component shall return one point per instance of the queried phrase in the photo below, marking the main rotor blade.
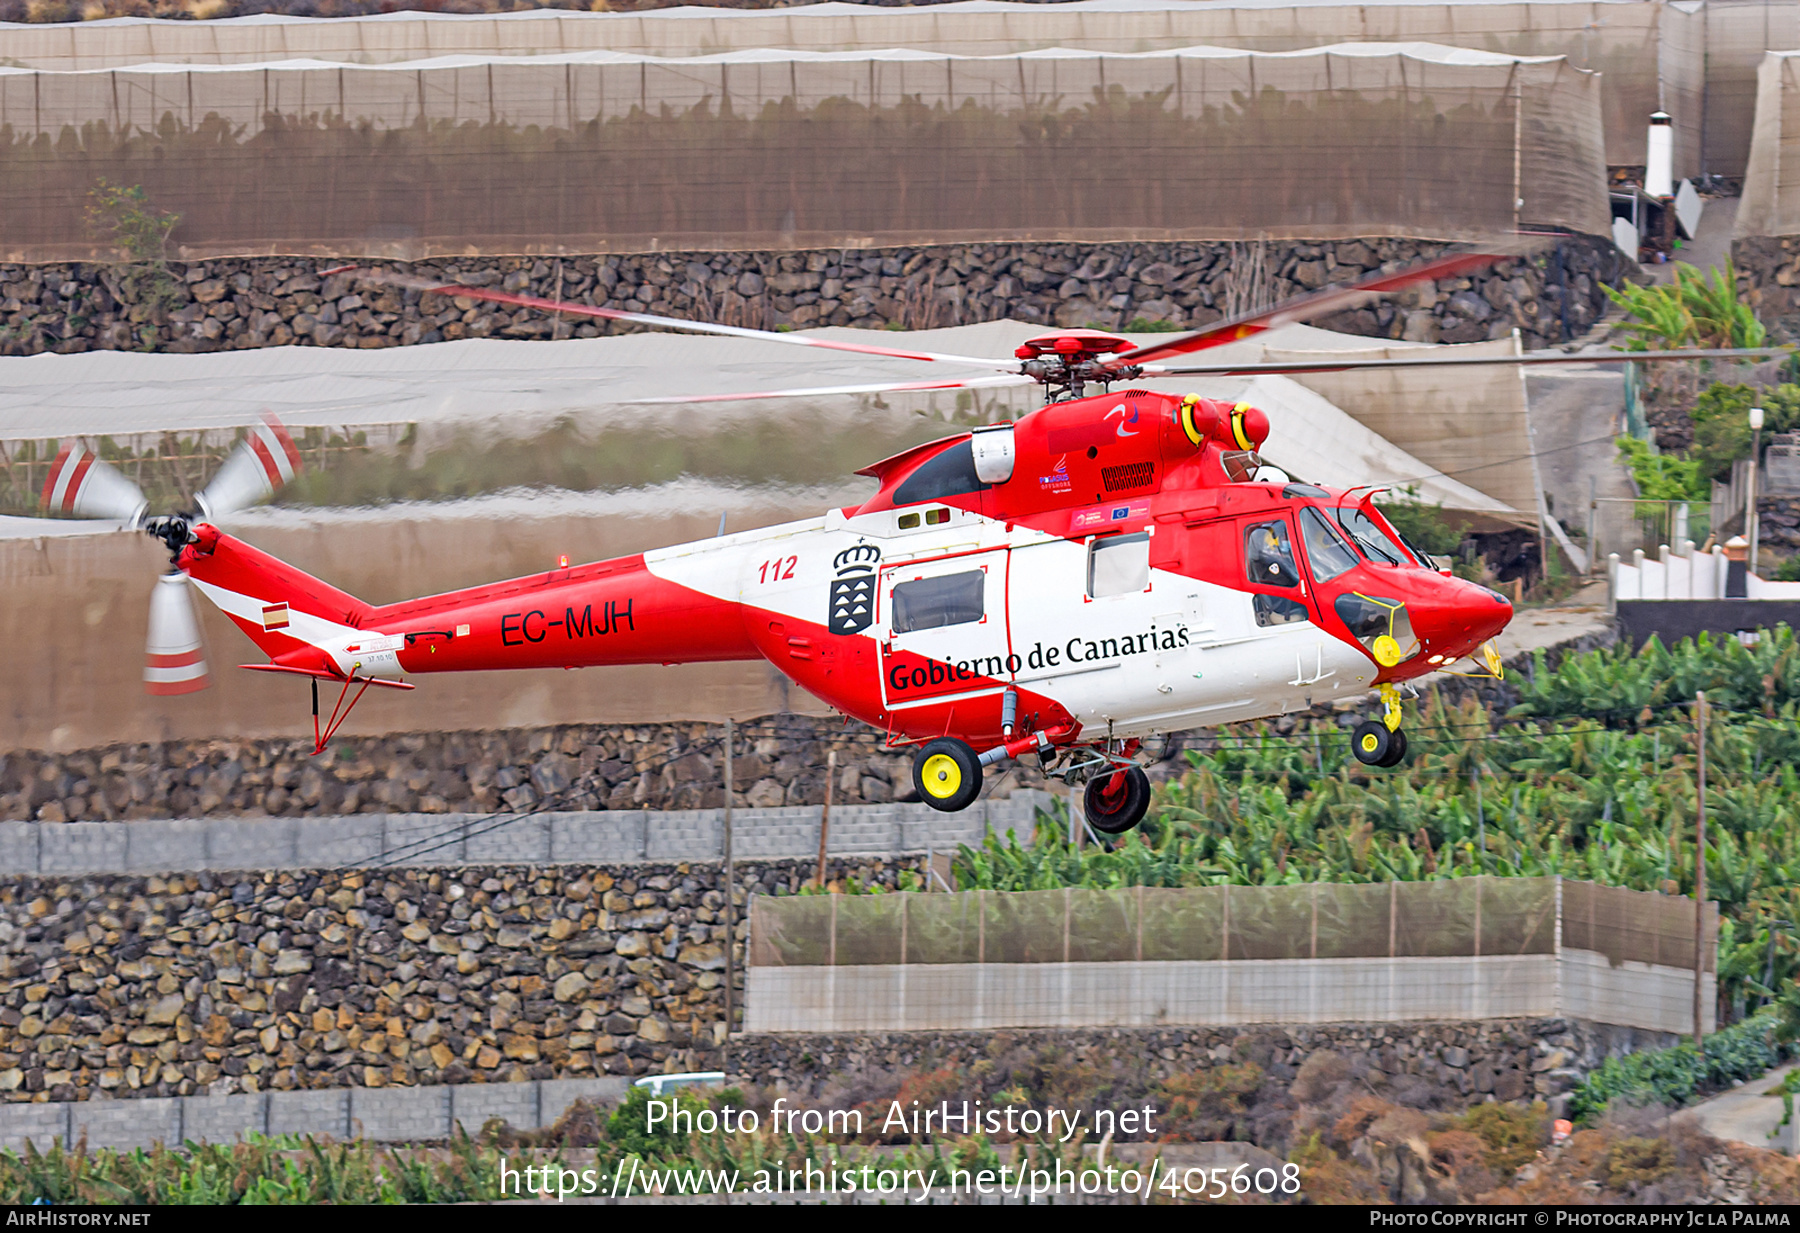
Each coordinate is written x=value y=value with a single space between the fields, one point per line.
x=888 y=387
x=81 y=484
x=678 y=323
x=1458 y=361
x=256 y=470
x=1306 y=307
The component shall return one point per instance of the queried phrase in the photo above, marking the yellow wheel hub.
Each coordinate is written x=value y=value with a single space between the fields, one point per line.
x=942 y=776
x=1369 y=742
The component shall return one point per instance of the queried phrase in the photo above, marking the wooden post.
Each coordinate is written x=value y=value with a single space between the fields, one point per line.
x=730 y=890
x=1700 y=870
x=825 y=814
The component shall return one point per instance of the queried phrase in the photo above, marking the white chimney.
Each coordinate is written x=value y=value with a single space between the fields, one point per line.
x=1659 y=165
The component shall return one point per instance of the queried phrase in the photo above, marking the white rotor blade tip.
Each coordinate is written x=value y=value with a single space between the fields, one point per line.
x=81 y=484
x=256 y=470
x=175 y=660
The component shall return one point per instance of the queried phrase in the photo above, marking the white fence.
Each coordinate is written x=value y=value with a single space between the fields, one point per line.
x=1688 y=574
x=1458 y=950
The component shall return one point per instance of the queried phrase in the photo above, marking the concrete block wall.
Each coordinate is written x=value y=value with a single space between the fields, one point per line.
x=190 y=845
x=400 y=1114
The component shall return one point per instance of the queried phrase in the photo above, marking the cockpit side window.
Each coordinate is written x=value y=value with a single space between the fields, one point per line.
x=1326 y=552
x=1425 y=559
x=948 y=473
x=1269 y=555
x=1367 y=535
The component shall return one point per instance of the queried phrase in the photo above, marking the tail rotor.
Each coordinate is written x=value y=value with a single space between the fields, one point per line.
x=80 y=485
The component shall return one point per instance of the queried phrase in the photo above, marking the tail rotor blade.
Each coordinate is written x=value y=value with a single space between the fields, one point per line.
x=82 y=485
x=175 y=659
x=256 y=470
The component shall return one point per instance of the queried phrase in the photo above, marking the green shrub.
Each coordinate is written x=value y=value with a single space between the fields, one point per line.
x=1694 y=310
x=1721 y=418
x=1511 y=1134
x=1426 y=525
x=1680 y=1075
x=1638 y=1160
x=1663 y=477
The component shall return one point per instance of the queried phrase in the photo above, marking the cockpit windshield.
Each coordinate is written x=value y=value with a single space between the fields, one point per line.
x=1371 y=539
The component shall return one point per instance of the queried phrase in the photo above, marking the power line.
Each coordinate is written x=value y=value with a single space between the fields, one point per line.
x=457 y=834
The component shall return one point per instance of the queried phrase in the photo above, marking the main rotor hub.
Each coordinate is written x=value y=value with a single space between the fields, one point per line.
x=1064 y=362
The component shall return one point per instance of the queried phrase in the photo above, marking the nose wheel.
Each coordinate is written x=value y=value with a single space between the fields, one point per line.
x=1376 y=745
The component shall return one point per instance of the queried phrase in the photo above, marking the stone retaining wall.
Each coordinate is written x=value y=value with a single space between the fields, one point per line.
x=1778 y=523
x=778 y=761
x=1509 y=1059
x=232 y=304
x=215 y=984
x=366 y=841
x=1768 y=270
x=1460 y=1063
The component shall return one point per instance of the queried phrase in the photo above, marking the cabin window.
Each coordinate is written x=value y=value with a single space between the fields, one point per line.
x=1269 y=555
x=1119 y=565
x=1279 y=610
x=1326 y=552
x=932 y=603
x=949 y=473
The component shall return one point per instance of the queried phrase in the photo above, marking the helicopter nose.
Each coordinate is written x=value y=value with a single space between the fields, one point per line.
x=1457 y=618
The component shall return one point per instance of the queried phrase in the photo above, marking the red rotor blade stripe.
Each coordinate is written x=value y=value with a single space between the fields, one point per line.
x=183 y=660
x=1304 y=307
x=275 y=433
x=67 y=474
x=1457 y=361
x=891 y=387
x=700 y=327
x=266 y=459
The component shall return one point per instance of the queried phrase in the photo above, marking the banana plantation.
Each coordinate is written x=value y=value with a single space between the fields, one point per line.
x=1590 y=774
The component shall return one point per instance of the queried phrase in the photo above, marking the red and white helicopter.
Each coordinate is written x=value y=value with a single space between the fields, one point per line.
x=1105 y=568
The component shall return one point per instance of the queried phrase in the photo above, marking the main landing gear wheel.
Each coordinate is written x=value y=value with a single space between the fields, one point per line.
x=1375 y=745
x=1114 y=810
x=947 y=774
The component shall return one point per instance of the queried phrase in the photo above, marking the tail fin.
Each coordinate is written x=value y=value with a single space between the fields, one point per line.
x=282 y=609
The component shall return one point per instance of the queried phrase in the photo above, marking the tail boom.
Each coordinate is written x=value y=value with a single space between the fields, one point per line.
x=610 y=612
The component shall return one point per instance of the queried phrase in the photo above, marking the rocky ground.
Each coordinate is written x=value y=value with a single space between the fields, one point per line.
x=1367 y=1113
x=256 y=302
x=1768 y=271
